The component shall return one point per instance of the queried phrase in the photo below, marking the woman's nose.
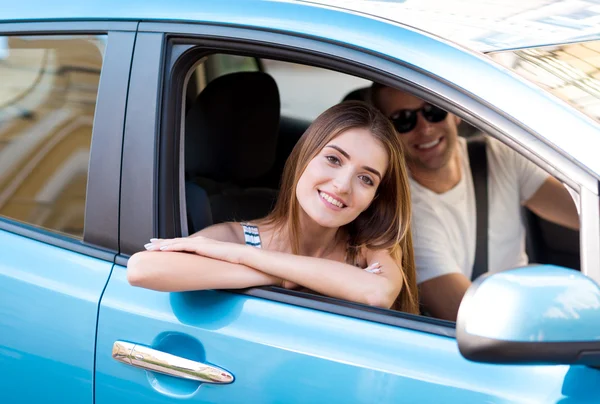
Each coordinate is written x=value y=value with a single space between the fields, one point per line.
x=343 y=182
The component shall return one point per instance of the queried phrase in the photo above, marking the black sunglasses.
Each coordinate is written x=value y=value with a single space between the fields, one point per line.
x=405 y=120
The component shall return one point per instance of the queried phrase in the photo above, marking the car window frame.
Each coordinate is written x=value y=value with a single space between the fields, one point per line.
x=100 y=235
x=165 y=211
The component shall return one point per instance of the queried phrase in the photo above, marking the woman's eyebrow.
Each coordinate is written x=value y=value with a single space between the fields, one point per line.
x=374 y=171
x=340 y=150
x=370 y=169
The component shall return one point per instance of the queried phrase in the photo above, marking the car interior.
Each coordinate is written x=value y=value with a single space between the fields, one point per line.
x=242 y=101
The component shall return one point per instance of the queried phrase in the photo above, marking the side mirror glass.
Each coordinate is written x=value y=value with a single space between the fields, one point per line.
x=533 y=315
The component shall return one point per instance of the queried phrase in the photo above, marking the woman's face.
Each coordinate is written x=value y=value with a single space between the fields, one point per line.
x=341 y=181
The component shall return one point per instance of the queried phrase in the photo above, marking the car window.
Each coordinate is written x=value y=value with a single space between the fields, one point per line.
x=47 y=102
x=223 y=191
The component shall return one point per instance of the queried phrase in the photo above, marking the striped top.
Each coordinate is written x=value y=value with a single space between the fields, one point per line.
x=251 y=236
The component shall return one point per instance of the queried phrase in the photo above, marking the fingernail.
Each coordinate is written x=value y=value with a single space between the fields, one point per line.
x=153 y=240
x=164 y=247
x=148 y=246
x=373 y=265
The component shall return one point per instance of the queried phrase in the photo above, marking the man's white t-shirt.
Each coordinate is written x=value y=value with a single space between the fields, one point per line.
x=444 y=225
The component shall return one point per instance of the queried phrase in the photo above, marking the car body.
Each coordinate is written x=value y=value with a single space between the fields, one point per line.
x=68 y=317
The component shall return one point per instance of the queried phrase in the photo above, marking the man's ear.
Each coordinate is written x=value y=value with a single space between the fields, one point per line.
x=457 y=120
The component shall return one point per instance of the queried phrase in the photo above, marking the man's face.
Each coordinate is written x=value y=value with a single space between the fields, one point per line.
x=428 y=146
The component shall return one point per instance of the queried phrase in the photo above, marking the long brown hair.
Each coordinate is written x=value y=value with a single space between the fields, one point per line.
x=385 y=224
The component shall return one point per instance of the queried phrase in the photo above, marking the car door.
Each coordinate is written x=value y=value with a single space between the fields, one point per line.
x=59 y=179
x=267 y=345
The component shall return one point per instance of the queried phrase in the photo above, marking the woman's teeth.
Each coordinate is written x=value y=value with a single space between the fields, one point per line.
x=331 y=200
x=429 y=145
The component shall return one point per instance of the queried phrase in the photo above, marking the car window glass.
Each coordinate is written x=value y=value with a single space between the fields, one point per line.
x=47 y=102
x=570 y=72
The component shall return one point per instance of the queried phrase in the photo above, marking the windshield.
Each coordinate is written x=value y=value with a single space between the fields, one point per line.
x=488 y=25
x=570 y=72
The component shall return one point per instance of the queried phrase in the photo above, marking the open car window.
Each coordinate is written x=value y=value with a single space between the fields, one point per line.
x=236 y=177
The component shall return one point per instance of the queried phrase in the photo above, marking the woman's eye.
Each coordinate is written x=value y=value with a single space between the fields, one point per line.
x=333 y=159
x=366 y=180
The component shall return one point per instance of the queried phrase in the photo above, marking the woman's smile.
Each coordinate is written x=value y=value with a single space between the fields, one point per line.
x=331 y=202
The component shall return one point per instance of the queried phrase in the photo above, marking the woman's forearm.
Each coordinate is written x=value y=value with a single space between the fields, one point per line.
x=324 y=276
x=177 y=271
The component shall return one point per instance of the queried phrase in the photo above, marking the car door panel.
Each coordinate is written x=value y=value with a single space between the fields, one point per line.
x=284 y=353
x=49 y=299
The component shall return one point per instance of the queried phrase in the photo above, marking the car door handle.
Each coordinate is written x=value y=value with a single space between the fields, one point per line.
x=157 y=361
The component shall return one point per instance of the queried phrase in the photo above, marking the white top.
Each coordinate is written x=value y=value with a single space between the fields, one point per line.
x=444 y=225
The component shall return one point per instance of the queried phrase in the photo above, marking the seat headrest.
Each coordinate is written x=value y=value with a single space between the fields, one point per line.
x=232 y=128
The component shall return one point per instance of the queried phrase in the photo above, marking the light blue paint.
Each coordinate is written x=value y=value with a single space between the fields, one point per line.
x=277 y=352
x=284 y=353
x=48 y=305
x=535 y=304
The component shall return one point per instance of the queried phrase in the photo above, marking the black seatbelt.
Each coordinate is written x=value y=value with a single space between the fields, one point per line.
x=478 y=162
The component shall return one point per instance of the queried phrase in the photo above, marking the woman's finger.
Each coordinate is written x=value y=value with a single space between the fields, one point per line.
x=374 y=268
x=157 y=245
x=161 y=242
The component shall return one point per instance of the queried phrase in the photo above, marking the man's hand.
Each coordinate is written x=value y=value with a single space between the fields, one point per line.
x=553 y=202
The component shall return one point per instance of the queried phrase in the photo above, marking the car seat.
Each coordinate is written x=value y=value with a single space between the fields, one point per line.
x=230 y=141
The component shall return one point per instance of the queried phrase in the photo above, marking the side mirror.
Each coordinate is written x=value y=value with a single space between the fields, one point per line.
x=532 y=315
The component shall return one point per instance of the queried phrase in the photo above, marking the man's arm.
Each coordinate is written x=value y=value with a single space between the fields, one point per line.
x=442 y=283
x=553 y=202
x=441 y=296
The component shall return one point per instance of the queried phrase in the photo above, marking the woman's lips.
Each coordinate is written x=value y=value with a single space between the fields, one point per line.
x=330 y=201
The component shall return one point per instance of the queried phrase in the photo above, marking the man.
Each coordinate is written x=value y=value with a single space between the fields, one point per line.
x=443 y=200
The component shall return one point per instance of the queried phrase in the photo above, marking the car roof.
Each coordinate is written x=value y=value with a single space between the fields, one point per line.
x=480 y=25
x=488 y=25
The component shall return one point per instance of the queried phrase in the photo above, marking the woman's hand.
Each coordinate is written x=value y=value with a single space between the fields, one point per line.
x=206 y=247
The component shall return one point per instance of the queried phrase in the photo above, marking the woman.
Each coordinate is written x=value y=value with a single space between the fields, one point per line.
x=341 y=225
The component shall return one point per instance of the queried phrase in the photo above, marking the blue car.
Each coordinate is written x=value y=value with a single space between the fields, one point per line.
x=126 y=120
